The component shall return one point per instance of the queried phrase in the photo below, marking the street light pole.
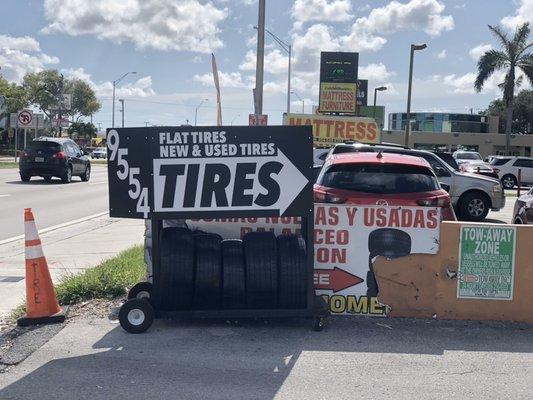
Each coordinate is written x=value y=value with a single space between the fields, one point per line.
x=414 y=47
x=380 y=88
x=196 y=111
x=259 y=69
x=115 y=83
x=122 y=110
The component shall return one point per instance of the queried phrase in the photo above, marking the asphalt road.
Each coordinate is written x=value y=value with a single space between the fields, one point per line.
x=53 y=203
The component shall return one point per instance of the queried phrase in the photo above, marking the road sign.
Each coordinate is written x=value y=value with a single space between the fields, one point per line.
x=182 y=172
x=263 y=119
x=24 y=118
x=37 y=120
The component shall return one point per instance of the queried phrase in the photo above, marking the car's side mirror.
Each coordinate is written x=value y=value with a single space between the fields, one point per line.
x=445 y=186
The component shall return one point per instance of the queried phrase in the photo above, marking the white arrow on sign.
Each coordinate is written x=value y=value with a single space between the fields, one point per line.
x=290 y=180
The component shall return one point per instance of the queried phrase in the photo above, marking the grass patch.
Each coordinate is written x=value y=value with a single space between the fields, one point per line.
x=99 y=162
x=8 y=164
x=107 y=280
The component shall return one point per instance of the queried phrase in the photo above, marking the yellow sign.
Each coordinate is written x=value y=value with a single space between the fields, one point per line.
x=338 y=97
x=328 y=130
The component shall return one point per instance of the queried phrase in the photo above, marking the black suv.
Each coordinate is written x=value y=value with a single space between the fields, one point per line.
x=49 y=157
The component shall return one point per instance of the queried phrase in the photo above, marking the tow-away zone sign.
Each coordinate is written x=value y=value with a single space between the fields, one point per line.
x=180 y=172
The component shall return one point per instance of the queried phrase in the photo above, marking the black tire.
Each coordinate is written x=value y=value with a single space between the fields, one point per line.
x=292 y=264
x=86 y=174
x=67 y=175
x=24 y=177
x=509 y=181
x=141 y=290
x=474 y=206
x=136 y=315
x=387 y=242
x=260 y=253
x=208 y=272
x=233 y=274
x=177 y=269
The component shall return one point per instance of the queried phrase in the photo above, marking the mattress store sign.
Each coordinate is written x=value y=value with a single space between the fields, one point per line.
x=178 y=171
x=347 y=240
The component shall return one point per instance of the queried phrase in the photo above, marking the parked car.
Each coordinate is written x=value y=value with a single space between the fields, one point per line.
x=507 y=170
x=472 y=195
x=523 y=209
x=466 y=156
x=447 y=158
x=54 y=157
x=479 y=167
x=319 y=156
x=99 y=152
x=391 y=179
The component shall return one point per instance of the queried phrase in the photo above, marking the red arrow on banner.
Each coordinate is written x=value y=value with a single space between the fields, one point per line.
x=335 y=279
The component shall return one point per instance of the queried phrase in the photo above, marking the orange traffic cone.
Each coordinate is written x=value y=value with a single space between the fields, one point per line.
x=41 y=302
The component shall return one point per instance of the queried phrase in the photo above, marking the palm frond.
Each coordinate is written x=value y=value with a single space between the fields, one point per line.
x=501 y=35
x=526 y=65
x=489 y=62
x=521 y=35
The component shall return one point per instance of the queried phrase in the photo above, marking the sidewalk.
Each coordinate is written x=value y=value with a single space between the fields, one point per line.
x=68 y=250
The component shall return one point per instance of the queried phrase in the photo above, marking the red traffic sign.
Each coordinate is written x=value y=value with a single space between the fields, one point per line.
x=263 y=119
x=25 y=117
x=335 y=279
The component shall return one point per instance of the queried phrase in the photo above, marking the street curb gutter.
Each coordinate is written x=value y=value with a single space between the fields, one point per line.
x=53 y=228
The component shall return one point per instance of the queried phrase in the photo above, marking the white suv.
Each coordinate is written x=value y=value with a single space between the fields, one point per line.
x=507 y=170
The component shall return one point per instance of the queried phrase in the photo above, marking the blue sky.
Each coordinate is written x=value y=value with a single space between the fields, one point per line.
x=169 y=42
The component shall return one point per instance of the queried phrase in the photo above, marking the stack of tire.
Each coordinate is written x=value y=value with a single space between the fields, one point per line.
x=200 y=271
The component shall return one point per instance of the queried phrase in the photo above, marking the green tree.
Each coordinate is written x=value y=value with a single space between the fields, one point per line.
x=522 y=112
x=46 y=89
x=514 y=54
x=82 y=130
x=15 y=97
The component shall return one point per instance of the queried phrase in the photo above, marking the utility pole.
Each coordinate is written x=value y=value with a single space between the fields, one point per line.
x=122 y=110
x=414 y=47
x=259 y=69
x=146 y=123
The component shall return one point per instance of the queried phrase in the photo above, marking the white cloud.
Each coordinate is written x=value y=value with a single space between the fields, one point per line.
x=479 y=50
x=142 y=87
x=320 y=10
x=524 y=13
x=22 y=55
x=148 y=24
x=231 y=80
x=275 y=62
x=375 y=72
x=441 y=55
x=464 y=84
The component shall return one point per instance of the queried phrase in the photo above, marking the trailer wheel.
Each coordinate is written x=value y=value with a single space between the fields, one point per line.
x=233 y=274
x=141 y=290
x=292 y=262
x=260 y=252
x=208 y=271
x=136 y=315
x=176 y=269
x=319 y=324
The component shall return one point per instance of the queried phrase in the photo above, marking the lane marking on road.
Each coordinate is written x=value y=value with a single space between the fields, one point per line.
x=59 y=226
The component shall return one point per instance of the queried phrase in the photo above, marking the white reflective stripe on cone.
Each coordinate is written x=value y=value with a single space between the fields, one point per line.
x=30 y=230
x=34 y=252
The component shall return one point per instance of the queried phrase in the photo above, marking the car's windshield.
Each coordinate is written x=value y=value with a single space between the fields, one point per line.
x=468 y=156
x=44 y=145
x=382 y=179
x=499 y=161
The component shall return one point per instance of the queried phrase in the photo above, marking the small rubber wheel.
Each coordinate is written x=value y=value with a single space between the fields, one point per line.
x=319 y=324
x=87 y=174
x=136 y=315
x=24 y=177
x=141 y=290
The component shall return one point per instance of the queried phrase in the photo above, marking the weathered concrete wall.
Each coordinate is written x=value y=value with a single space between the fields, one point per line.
x=424 y=285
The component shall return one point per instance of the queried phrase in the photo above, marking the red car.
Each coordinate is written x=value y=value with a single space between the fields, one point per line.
x=382 y=179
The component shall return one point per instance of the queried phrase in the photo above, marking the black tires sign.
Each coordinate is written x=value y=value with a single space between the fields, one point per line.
x=188 y=172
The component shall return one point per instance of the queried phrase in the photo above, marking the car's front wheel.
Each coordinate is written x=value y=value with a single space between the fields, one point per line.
x=474 y=206
x=87 y=174
x=67 y=175
x=508 y=181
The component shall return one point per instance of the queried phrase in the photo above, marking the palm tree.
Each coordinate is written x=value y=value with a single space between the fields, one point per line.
x=514 y=54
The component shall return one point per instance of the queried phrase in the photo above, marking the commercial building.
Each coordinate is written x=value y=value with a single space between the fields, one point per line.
x=444 y=122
